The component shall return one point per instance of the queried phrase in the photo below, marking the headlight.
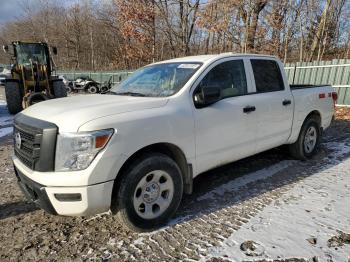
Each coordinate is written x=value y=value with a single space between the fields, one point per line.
x=75 y=151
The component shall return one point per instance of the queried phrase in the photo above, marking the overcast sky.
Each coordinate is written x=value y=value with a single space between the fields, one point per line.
x=9 y=10
x=12 y=9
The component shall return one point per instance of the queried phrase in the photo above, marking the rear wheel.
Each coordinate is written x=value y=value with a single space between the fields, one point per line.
x=13 y=97
x=149 y=193
x=92 y=89
x=59 y=89
x=308 y=141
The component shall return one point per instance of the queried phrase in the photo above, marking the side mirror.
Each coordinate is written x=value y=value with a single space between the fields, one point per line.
x=207 y=95
x=5 y=48
x=54 y=50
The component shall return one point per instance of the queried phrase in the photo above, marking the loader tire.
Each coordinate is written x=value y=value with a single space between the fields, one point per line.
x=59 y=89
x=13 y=97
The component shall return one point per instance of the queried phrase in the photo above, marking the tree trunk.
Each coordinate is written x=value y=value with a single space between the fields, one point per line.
x=320 y=30
x=258 y=6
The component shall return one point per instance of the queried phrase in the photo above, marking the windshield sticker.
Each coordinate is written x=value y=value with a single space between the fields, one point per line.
x=188 y=66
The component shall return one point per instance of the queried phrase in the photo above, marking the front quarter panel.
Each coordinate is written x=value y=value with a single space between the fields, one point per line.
x=135 y=130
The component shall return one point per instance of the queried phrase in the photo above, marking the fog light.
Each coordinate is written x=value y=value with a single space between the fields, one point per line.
x=68 y=197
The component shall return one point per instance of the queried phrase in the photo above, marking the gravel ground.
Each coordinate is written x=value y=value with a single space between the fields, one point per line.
x=224 y=201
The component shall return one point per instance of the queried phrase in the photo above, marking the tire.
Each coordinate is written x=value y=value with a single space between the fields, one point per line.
x=59 y=89
x=104 y=89
x=36 y=98
x=305 y=147
x=13 y=97
x=92 y=89
x=69 y=89
x=152 y=179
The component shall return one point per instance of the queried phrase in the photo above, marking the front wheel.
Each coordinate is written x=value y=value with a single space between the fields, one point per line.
x=149 y=193
x=308 y=141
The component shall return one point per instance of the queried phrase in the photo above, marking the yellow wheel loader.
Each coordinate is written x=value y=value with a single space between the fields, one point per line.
x=31 y=78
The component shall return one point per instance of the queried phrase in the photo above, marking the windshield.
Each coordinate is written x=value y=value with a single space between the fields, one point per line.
x=27 y=53
x=157 y=80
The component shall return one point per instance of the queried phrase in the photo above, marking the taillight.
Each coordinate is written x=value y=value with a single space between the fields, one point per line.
x=335 y=97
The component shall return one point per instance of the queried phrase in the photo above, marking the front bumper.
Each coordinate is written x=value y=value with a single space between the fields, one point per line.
x=34 y=192
x=93 y=199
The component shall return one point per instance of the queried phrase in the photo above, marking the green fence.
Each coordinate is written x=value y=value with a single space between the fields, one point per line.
x=335 y=73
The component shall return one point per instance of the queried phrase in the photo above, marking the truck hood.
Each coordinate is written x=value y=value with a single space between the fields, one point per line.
x=71 y=112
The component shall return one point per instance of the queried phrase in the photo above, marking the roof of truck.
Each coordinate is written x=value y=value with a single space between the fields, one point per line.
x=204 y=58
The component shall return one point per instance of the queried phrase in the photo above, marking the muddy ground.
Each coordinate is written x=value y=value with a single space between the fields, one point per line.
x=223 y=201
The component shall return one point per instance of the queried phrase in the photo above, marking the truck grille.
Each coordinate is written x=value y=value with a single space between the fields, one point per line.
x=28 y=151
x=35 y=142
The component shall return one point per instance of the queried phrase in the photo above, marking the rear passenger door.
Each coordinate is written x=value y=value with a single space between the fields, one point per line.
x=273 y=101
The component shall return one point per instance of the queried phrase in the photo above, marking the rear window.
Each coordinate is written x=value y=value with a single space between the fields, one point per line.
x=267 y=76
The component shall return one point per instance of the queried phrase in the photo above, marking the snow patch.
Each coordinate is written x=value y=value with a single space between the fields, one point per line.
x=6 y=131
x=246 y=179
x=6 y=120
x=316 y=209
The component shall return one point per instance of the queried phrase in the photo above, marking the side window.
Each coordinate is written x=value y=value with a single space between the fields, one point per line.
x=267 y=76
x=229 y=77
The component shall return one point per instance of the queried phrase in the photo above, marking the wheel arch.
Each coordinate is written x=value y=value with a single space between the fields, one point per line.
x=297 y=127
x=296 y=148
x=316 y=114
x=171 y=150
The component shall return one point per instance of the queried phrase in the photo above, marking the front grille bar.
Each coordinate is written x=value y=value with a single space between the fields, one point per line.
x=38 y=142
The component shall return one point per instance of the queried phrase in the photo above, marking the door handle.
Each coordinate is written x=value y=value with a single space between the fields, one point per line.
x=286 y=102
x=249 y=109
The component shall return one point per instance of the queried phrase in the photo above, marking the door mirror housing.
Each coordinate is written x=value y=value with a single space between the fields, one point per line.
x=207 y=95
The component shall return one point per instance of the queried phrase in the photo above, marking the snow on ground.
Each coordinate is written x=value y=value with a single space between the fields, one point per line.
x=312 y=219
x=242 y=181
x=6 y=131
x=6 y=120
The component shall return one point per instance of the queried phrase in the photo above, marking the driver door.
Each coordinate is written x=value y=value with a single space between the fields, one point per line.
x=224 y=131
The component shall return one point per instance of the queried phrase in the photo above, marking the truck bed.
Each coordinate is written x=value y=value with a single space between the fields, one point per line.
x=305 y=86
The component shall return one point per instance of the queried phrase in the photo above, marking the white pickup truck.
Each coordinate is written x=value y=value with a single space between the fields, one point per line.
x=136 y=150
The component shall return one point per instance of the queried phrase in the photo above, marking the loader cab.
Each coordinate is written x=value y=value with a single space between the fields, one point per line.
x=27 y=54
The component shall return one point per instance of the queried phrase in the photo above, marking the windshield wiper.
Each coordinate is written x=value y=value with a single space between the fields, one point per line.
x=128 y=93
